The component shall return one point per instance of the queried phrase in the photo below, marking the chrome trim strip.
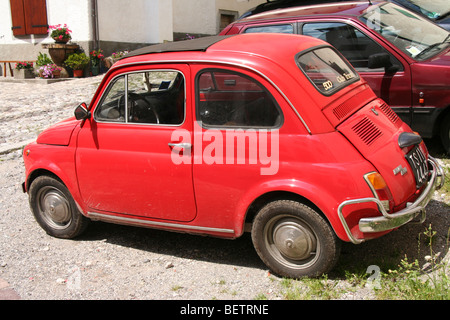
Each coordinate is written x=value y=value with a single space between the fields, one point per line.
x=147 y=223
x=391 y=221
x=228 y=64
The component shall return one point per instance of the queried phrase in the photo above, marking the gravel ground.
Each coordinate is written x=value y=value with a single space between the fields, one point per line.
x=119 y=262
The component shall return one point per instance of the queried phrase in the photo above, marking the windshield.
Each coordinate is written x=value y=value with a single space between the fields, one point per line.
x=416 y=36
x=434 y=9
x=326 y=70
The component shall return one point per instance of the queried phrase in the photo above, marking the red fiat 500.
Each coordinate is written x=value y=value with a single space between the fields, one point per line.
x=223 y=135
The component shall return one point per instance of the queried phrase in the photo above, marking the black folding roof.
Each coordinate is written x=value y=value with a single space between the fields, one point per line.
x=198 y=44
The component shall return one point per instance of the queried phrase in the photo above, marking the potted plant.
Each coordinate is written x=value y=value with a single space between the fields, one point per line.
x=24 y=70
x=77 y=62
x=50 y=71
x=96 y=59
x=43 y=59
x=61 y=34
x=118 y=55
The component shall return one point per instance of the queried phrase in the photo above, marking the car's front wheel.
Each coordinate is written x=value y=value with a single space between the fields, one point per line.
x=293 y=240
x=54 y=208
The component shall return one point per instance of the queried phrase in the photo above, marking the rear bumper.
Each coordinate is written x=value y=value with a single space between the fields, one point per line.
x=391 y=221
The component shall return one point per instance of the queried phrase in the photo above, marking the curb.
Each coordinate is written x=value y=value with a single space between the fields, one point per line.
x=6 y=292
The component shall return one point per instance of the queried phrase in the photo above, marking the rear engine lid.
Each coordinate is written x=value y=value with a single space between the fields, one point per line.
x=392 y=148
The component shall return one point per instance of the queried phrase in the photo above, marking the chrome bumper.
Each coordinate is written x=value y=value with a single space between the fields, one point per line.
x=391 y=221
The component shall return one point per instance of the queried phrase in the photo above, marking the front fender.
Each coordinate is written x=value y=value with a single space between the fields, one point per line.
x=58 y=161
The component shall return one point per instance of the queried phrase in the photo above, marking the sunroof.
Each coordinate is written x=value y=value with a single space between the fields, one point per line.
x=198 y=44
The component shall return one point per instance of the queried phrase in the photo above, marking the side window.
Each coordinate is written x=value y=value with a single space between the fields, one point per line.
x=227 y=99
x=280 y=28
x=354 y=45
x=112 y=106
x=151 y=97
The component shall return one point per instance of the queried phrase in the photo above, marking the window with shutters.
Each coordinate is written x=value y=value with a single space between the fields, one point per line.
x=29 y=17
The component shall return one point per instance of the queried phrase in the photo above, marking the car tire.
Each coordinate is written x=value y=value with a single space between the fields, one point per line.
x=445 y=133
x=294 y=240
x=54 y=208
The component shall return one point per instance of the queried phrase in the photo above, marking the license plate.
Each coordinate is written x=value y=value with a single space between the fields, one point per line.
x=419 y=165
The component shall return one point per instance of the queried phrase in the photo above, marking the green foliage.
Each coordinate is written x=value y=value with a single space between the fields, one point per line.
x=77 y=61
x=43 y=60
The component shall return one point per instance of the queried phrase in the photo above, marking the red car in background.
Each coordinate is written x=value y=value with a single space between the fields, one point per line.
x=403 y=56
x=222 y=135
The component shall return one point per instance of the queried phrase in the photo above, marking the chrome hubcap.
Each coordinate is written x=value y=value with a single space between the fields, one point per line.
x=54 y=207
x=291 y=242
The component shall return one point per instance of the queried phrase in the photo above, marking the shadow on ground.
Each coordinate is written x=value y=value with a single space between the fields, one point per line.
x=387 y=252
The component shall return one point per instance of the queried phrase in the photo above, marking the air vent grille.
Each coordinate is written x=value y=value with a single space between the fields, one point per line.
x=341 y=111
x=352 y=104
x=389 y=112
x=367 y=131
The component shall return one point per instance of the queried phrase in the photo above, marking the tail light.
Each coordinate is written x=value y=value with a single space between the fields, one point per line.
x=380 y=189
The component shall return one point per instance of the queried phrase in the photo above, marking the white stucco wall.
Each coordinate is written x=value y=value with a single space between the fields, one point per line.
x=75 y=13
x=140 y=21
x=201 y=16
x=133 y=21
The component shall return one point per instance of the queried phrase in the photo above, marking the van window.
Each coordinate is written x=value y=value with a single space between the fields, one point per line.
x=354 y=45
x=279 y=28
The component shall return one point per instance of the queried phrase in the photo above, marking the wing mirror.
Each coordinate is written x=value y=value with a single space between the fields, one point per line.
x=82 y=112
x=382 y=60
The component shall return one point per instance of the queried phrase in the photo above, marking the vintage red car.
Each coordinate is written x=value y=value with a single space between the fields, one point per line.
x=404 y=57
x=222 y=135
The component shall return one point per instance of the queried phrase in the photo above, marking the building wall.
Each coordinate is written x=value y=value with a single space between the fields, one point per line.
x=144 y=21
x=202 y=16
x=75 y=13
x=119 y=25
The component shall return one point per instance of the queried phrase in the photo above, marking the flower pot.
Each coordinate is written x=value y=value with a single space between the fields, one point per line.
x=57 y=74
x=23 y=74
x=95 y=70
x=78 y=73
x=63 y=40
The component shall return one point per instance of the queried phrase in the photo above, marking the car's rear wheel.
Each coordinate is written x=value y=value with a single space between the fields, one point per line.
x=54 y=208
x=293 y=240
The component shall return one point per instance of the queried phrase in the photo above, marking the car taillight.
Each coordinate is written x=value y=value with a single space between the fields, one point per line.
x=380 y=189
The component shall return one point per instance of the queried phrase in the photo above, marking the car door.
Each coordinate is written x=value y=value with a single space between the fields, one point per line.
x=124 y=154
x=236 y=139
x=393 y=86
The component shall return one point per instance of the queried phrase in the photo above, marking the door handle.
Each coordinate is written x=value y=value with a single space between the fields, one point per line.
x=180 y=145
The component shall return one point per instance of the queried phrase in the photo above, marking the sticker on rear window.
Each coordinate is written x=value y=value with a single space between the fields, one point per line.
x=326 y=70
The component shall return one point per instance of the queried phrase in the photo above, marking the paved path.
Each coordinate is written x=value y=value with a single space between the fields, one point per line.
x=27 y=108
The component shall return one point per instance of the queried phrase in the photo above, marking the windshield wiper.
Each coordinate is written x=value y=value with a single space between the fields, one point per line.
x=434 y=45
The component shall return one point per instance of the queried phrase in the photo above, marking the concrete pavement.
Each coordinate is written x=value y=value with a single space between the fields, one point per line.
x=6 y=292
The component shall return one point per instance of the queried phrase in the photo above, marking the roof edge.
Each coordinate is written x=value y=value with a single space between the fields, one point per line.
x=198 y=44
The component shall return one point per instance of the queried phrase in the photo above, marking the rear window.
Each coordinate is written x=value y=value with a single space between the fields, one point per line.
x=326 y=69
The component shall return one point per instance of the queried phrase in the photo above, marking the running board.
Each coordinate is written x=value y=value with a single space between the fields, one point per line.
x=155 y=224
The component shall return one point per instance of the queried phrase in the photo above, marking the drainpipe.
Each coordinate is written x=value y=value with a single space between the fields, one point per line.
x=94 y=23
